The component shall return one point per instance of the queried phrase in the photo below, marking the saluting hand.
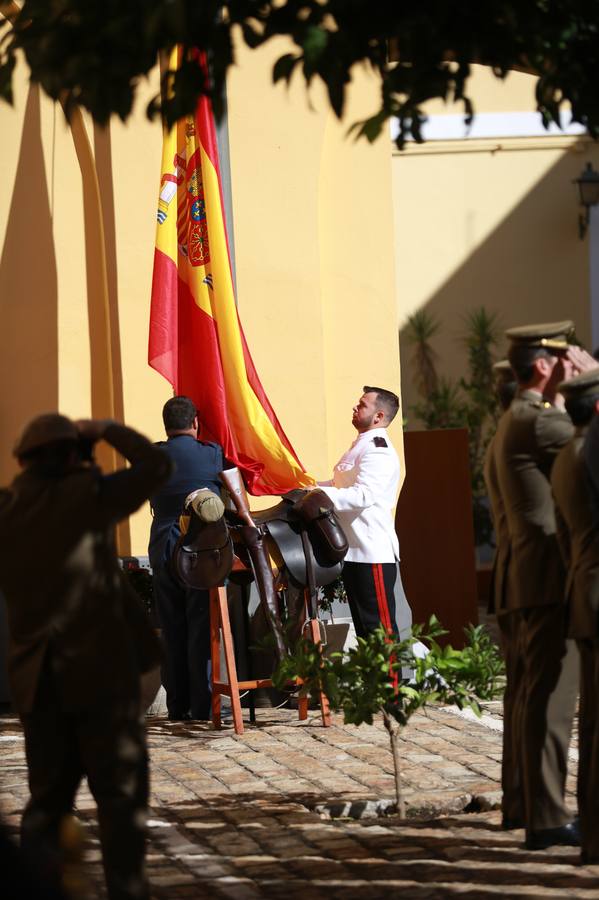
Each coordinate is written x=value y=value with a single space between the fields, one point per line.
x=572 y=362
x=92 y=429
x=580 y=361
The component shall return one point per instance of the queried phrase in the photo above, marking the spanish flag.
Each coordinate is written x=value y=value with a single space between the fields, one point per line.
x=196 y=339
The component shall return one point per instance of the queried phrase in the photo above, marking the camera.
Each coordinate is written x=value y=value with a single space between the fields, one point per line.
x=86 y=449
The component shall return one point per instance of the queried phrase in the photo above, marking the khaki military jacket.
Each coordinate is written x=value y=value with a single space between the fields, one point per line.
x=67 y=600
x=578 y=537
x=498 y=602
x=529 y=436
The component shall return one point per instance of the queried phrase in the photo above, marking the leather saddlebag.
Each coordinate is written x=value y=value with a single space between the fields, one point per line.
x=203 y=555
x=317 y=511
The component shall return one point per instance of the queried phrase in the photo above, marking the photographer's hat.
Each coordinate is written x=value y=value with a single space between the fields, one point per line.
x=48 y=428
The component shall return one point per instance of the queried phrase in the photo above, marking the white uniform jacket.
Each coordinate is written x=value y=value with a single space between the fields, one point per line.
x=364 y=490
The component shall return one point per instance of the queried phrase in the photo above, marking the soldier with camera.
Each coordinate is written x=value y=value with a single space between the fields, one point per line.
x=79 y=636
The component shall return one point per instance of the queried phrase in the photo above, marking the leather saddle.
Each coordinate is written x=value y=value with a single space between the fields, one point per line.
x=203 y=555
x=307 y=534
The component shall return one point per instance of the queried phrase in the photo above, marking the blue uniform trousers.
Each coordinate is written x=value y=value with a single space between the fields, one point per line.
x=184 y=616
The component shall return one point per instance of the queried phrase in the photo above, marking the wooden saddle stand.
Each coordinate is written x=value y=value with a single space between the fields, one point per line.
x=309 y=546
x=232 y=687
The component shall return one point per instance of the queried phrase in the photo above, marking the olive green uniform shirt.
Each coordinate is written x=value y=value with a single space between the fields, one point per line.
x=499 y=581
x=578 y=537
x=529 y=436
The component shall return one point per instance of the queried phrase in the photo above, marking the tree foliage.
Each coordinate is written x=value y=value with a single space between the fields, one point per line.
x=388 y=676
x=95 y=54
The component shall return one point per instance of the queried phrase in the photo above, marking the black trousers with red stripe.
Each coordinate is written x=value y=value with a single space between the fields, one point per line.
x=370 y=589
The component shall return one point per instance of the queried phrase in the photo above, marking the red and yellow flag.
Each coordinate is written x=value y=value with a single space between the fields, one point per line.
x=196 y=339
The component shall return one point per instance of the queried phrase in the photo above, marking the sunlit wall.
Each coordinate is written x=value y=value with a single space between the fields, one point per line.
x=314 y=243
x=490 y=220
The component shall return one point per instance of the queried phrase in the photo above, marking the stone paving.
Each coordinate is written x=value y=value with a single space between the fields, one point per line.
x=234 y=817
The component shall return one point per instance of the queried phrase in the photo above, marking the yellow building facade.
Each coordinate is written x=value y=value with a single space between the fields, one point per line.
x=490 y=220
x=336 y=243
x=314 y=260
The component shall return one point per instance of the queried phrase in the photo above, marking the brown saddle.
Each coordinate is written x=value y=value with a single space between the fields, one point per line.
x=307 y=533
x=203 y=555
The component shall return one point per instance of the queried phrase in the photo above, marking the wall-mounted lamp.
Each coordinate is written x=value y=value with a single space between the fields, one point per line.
x=588 y=186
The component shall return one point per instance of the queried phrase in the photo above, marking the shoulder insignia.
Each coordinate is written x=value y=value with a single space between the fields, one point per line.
x=380 y=442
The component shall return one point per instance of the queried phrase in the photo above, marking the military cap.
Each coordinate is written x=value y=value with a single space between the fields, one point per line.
x=45 y=429
x=553 y=335
x=584 y=385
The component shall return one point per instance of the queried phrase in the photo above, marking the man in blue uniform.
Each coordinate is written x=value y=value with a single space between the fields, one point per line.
x=183 y=613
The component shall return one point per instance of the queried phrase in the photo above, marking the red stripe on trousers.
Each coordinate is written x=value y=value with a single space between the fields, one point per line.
x=381 y=595
x=383 y=605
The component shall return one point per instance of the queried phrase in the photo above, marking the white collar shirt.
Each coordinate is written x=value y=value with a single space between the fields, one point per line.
x=364 y=490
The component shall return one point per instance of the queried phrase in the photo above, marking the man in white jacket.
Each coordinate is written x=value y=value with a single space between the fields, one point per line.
x=364 y=489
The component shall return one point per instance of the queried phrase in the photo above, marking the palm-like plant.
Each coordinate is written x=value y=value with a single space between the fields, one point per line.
x=444 y=407
x=480 y=340
x=422 y=326
x=468 y=403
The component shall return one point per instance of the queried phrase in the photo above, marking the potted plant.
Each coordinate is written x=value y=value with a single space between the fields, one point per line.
x=336 y=631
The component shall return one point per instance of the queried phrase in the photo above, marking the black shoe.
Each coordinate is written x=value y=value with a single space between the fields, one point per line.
x=179 y=717
x=508 y=824
x=566 y=836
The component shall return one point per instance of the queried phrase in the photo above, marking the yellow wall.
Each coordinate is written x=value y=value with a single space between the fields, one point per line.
x=314 y=254
x=489 y=222
x=50 y=343
x=313 y=227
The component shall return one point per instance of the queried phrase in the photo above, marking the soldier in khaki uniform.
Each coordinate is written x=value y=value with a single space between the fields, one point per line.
x=513 y=816
x=79 y=636
x=528 y=438
x=576 y=492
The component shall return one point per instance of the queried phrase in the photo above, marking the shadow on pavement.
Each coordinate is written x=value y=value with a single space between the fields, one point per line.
x=275 y=847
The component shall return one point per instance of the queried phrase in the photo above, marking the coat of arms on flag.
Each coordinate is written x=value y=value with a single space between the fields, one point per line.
x=196 y=339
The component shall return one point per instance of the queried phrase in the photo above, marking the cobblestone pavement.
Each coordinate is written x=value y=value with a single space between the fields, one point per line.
x=233 y=817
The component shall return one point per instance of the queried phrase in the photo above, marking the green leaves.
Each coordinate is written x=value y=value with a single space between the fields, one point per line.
x=96 y=53
x=7 y=65
x=370 y=128
x=369 y=678
x=361 y=682
x=284 y=66
x=314 y=44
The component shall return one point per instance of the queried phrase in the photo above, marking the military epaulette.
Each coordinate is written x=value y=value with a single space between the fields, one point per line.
x=379 y=442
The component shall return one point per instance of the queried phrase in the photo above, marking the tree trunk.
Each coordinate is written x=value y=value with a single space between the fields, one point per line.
x=394 y=730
